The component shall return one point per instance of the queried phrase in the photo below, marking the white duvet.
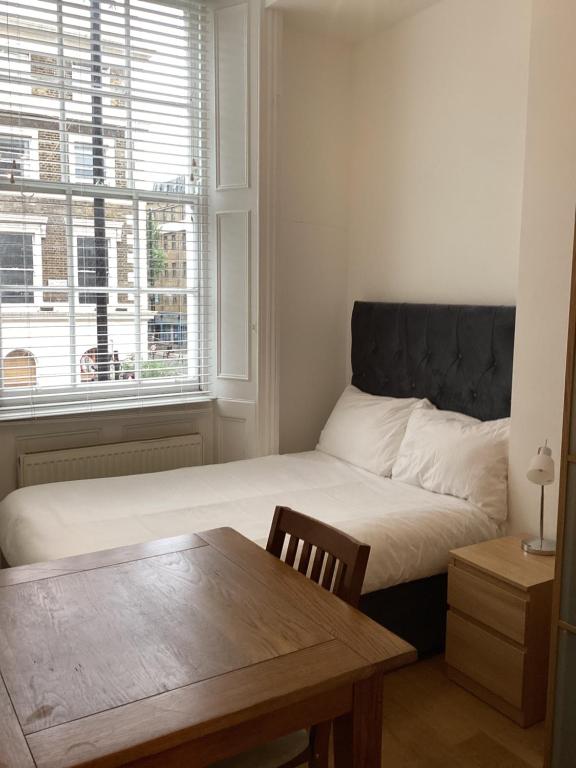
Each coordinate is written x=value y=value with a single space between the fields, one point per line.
x=411 y=531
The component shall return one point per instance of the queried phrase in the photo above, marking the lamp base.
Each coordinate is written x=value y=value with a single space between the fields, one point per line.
x=539 y=547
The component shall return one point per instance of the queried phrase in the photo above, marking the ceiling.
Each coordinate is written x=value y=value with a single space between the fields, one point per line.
x=351 y=19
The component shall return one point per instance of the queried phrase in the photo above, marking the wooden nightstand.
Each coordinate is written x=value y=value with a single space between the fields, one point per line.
x=498 y=633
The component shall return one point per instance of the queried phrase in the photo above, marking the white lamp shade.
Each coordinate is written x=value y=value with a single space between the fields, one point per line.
x=541 y=469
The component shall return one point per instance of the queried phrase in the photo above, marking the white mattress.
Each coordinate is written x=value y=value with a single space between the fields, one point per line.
x=410 y=530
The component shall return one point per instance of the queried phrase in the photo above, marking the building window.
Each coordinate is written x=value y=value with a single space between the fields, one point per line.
x=99 y=140
x=16 y=267
x=84 y=157
x=83 y=160
x=90 y=258
x=14 y=156
x=19 y=369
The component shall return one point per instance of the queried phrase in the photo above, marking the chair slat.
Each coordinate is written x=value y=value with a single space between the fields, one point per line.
x=311 y=541
x=317 y=565
x=329 y=572
x=305 y=558
x=339 y=580
x=292 y=549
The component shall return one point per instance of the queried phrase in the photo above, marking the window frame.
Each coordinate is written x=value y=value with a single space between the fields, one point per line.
x=74 y=139
x=35 y=226
x=112 y=226
x=68 y=189
x=23 y=292
x=32 y=164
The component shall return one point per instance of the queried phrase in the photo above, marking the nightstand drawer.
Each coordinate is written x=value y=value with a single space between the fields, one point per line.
x=493 y=663
x=488 y=603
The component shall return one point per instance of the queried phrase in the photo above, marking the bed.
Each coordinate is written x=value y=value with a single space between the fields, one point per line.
x=458 y=357
x=410 y=530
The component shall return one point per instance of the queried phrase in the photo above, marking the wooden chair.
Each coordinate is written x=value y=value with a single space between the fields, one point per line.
x=326 y=555
x=336 y=562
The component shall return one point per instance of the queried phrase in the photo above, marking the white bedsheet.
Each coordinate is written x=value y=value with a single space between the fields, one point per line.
x=410 y=530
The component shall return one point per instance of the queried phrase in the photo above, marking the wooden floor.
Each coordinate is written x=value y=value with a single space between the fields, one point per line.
x=430 y=722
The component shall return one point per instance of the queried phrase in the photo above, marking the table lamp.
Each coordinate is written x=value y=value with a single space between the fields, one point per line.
x=541 y=472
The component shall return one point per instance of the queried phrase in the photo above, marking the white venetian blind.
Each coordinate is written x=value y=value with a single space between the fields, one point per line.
x=104 y=294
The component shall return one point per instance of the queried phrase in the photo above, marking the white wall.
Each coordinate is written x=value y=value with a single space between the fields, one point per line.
x=312 y=232
x=462 y=158
x=438 y=149
x=546 y=254
x=401 y=178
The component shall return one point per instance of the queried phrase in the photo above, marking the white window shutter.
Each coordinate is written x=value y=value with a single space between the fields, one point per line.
x=234 y=220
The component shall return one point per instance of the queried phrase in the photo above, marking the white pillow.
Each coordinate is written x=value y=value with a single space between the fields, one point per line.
x=457 y=455
x=366 y=430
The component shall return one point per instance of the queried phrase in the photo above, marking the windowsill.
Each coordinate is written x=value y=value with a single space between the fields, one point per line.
x=104 y=410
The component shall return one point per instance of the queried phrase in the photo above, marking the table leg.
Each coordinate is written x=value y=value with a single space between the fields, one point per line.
x=358 y=734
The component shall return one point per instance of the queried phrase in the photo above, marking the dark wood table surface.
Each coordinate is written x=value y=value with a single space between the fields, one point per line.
x=181 y=652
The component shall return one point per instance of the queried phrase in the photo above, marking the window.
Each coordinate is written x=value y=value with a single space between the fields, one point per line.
x=16 y=267
x=14 y=156
x=104 y=138
x=92 y=261
x=83 y=160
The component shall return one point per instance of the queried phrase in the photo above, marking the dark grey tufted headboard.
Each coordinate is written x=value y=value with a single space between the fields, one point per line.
x=459 y=357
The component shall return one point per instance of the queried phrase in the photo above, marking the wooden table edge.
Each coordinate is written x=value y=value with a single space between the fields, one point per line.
x=146 y=711
x=396 y=662
x=14 y=749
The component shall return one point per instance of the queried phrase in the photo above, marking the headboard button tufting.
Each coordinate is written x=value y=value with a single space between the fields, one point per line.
x=404 y=350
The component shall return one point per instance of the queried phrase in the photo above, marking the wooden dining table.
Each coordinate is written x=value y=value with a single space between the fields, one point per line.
x=181 y=652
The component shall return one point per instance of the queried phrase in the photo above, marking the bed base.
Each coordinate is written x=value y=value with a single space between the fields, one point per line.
x=416 y=612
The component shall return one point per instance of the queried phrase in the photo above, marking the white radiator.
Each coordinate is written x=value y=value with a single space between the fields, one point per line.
x=110 y=460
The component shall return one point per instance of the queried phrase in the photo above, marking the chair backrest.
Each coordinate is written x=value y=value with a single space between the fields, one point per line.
x=324 y=554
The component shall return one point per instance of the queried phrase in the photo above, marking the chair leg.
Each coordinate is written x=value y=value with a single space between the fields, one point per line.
x=320 y=745
x=302 y=759
x=317 y=752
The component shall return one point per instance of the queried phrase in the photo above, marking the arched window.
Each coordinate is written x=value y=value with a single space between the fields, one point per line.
x=19 y=369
